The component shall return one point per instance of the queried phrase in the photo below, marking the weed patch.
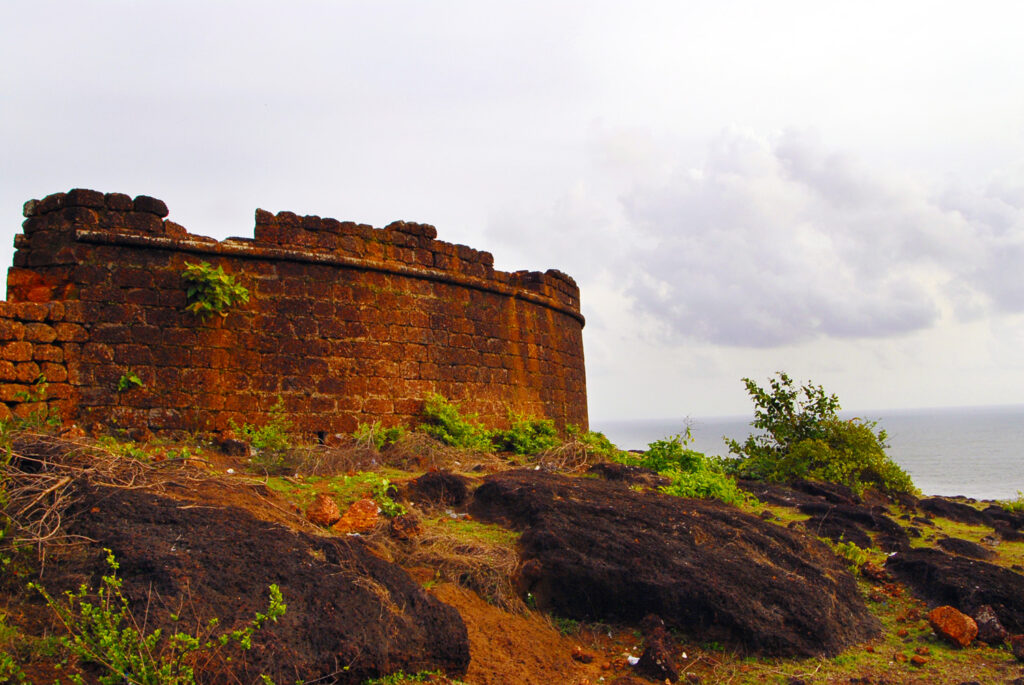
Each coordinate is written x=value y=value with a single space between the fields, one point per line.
x=105 y=632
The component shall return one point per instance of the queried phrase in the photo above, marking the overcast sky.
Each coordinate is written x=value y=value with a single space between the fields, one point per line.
x=831 y=189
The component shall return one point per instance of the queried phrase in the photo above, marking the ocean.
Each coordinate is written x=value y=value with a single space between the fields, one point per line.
x=974 y=451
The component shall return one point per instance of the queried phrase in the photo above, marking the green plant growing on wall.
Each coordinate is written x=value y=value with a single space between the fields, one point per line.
x=104 y=631
x=376 y=436
x=40 y=420
x=128 y=380
x=525 y=435
x=210 y=290
x=443 y=420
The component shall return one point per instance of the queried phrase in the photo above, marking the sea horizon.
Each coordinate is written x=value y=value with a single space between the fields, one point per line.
x=973 y=451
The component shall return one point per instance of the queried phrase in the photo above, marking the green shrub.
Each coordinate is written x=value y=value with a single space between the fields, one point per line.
x=592 y=442
x=211 y=291
x=443 y=420
x=382 y=490
x=803 y=437
x=854 y=556
x=104 y=632
x=376 y=436
x=270 y=442
x=526 y=436
x=1014 y=505
x=693 y=474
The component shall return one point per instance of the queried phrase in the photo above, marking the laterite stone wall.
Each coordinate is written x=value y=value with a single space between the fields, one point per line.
x=345 y=324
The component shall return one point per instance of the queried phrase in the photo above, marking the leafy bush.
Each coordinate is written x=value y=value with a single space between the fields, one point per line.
x=854 y=556
x=803 y=437
x=693 y=474
x=376 y=436
x=443 y=420
x=382 y=495
x=106 y=633
x=592 y=442
x=211 y=291
x=526 y=436
x=270 y=442
x=1015 y=505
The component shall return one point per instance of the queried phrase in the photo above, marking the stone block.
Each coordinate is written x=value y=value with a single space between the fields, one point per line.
x=150 y=205
x=80 y=197
x=118 y=202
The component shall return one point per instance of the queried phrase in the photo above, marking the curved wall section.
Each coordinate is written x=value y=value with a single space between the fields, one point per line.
x=345 y=324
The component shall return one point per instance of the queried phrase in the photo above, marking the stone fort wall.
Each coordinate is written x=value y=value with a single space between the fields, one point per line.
x=345 y=324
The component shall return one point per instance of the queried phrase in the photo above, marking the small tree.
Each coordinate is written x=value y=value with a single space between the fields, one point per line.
x=804 y=437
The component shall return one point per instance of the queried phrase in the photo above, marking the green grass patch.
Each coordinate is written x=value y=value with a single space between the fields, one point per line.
x=473 y=531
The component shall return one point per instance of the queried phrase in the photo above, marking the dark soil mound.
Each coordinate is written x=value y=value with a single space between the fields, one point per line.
x=1012 y=519
x=940 y=578
x=597 y=550
x=954 y=511
x=838 y=529
x=965 y=548
x=439 y=488
x=633 y=475
x=830 y=492
x=351 y=616
x=780 y=495
x=852 y=521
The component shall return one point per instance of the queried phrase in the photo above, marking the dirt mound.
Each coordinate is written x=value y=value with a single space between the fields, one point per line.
x=849 y=522
x=965 y=548
x=940 y=578
x=598 y=550
x=1012 y=519
x=511 y=648
x=633 y=475
x=837 y=529
x=778 y=494
x=439 y=488
x=954 y=511
x=351 y=616
x=836 y=493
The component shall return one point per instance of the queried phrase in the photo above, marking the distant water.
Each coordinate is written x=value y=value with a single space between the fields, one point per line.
x=975 y=451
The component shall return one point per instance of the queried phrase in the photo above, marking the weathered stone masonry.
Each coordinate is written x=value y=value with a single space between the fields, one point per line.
x=345 y=324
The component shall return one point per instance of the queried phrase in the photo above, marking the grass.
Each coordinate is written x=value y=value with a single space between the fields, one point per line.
x=402 y=678
x=345 y=489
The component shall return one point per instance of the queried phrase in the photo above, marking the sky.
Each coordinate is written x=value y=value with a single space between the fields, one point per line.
x=834 y=190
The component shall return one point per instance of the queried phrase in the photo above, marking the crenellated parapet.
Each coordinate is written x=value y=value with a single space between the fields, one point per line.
x=346 y=323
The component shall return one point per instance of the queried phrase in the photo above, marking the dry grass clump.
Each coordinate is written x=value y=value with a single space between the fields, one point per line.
x=417 y=451
x=459 y=552
x=575 y=454
x=39 y=475
x=330 y=460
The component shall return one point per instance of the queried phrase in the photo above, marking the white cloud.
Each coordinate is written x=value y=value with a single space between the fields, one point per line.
x=777 y=241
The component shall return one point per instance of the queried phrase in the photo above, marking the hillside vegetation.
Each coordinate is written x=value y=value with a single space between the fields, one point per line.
x=448 y=552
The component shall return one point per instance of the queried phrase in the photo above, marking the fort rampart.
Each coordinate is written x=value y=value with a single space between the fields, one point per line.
x=345 y=323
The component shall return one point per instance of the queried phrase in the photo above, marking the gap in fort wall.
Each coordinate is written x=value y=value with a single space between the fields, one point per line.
x=345 y=324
